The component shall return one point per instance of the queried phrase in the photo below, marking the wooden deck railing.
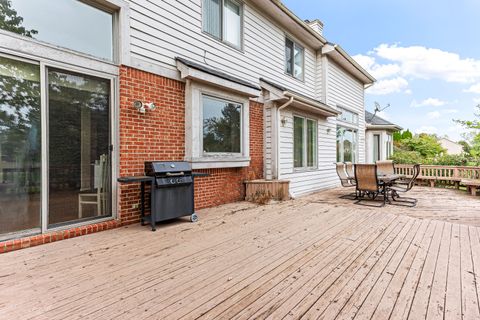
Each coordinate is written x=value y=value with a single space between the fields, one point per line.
x=442 y=174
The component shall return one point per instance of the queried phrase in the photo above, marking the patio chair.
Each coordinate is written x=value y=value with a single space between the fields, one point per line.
x=405 y=186
x=350 y=170
x=385 y=167
x=99 y=196
x=345 y=180
x=368 y=186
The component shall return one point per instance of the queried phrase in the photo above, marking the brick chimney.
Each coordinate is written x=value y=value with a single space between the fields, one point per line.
x=316 y=25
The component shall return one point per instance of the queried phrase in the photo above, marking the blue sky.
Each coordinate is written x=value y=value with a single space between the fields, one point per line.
x=425 y=55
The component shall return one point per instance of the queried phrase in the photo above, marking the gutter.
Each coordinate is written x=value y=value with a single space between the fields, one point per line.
x=277 y=138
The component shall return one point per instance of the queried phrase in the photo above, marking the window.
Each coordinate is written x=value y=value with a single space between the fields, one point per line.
x=294 y=57
x=222 y=19
x=389 y=146
x=304 y=142
x=347 y=141
x=67 y=23
x=347 y=116
x=221 y=125
x=376 y=147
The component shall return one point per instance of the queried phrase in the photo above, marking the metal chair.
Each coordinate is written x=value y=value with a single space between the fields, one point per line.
x=345 y=180
x=368 y=187
x=385 y=167
x=99 y=197
x=349 y=168
x=404 y=187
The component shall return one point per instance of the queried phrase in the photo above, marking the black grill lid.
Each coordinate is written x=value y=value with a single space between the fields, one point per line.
x=159 y=167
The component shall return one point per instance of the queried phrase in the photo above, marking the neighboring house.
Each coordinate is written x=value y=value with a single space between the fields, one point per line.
x=451 y=146
x=243 y=90
x=379 y=137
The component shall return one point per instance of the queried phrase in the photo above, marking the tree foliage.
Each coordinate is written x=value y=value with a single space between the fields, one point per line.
x=11 y=21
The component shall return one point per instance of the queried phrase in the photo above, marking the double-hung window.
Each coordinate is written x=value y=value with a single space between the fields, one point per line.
x=222 y=126
x=304 y=143
x=294 y=59
x=222 y=19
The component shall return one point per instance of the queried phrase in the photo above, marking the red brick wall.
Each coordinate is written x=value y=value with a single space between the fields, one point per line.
x=160 y=135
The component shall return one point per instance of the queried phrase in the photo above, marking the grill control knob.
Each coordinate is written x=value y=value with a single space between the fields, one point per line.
x=179 y=180
x=172 y=181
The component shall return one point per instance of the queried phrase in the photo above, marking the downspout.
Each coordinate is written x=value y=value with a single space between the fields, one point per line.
x=277 y=138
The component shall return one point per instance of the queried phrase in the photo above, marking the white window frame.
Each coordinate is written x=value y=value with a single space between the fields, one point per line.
x=304 y=166
x=221 y=39
x=44 y=65
x=356 y=142
x=195 y=90
x=353 y=113
x=389 y=146
x=15 y=44
x=222 y=154
x=292 y=62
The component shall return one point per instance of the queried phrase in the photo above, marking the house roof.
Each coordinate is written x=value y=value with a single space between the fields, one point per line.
x=215 y=72
x=375 y=122
x=301 y=99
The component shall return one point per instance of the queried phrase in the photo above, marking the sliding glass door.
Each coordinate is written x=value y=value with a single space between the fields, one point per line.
x=72 y=112
x=79 y=142
x=20 y=149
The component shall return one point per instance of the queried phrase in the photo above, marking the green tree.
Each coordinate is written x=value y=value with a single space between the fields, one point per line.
x=425 y=144
x=466 y=146
x=407 y=134
x=11 y=21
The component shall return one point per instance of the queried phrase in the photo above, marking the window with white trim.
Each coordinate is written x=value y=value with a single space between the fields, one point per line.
x=294 y=59
x=389 y=143
x=347 y=144
x=222 y=19
x=71 y=24
x=304 y=142
x=347 y=116
x=222 y=126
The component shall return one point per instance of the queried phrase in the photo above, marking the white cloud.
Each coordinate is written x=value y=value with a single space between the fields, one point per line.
x=433 y=115
x=426 y=129
x=379 y=71
x=408 y=91
x=429 y=102
x=473 y=89
x=429 y=63
x=388 y=86
x=476 y=100
x=450 y=111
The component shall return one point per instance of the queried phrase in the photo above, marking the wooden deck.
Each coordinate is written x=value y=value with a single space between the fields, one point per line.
x=318 y=257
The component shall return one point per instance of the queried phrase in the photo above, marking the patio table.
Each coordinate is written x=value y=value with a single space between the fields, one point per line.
x=387 y=180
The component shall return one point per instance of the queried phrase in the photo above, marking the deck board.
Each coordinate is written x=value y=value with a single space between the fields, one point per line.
x=316 y=257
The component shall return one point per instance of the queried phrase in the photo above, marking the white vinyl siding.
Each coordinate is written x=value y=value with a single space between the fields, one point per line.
x=163 y=30
x=346 y=91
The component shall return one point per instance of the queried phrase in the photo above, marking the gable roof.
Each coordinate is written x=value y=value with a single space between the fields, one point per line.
x=375 y=122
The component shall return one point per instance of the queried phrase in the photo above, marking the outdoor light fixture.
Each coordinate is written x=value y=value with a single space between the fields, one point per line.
x=284 y=121
x=142 y=107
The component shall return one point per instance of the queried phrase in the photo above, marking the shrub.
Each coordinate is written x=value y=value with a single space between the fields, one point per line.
x=407 y=157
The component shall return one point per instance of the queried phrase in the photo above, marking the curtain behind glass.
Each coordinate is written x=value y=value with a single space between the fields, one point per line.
x=212 y=17
x=20 y=149
x=298 y=57
x=232 y=23
x=298 y=132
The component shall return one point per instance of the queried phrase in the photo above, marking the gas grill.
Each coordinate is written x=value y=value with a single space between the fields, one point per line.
x=172 y=194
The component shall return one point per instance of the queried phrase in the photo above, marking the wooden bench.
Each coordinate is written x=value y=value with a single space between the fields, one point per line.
x=472 y=185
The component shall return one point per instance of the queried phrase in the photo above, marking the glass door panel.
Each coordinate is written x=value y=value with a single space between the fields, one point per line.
x=79 y=139
x=376 y=147
x=20 y=146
